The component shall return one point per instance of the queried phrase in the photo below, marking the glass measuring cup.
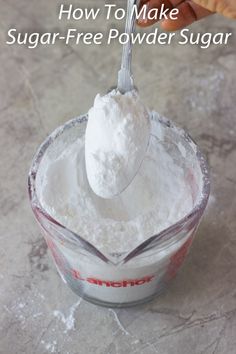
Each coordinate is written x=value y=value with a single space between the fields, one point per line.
x=134 y=277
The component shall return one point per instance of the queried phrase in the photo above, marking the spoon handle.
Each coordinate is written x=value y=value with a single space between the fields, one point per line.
x=125 y=79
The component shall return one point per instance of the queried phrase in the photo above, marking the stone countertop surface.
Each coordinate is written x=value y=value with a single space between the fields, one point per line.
x=44 y=87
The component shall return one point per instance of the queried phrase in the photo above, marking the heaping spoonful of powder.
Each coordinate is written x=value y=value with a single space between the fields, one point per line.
x=118 y=130
x=116 y=141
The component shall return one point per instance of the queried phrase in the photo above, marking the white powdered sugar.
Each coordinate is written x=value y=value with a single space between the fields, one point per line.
x=116 y=140
x=159 y=195
x=68 y=321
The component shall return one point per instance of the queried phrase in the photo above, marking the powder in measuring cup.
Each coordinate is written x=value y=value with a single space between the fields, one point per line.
x=159 y=195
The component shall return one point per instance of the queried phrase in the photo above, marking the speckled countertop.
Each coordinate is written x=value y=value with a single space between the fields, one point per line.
x=41 y=89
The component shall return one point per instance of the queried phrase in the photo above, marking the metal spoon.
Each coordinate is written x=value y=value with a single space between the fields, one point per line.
x=129 y=163
x=125 y=79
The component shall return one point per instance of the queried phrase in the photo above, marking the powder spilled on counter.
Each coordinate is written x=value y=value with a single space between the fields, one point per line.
x=68 y=321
